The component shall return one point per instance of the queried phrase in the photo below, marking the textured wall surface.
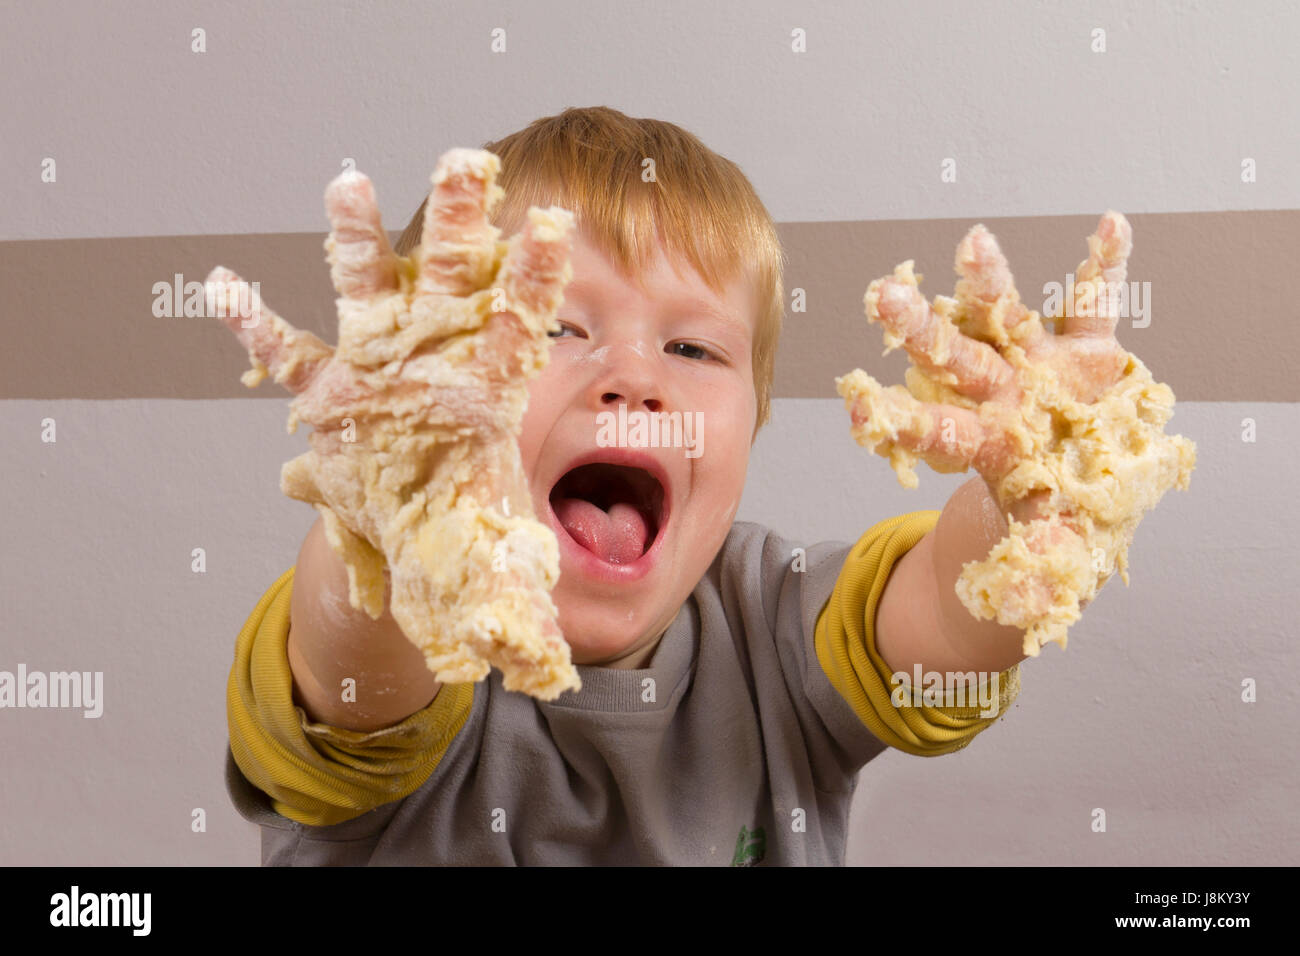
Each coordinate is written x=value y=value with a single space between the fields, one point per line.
x=230 y=149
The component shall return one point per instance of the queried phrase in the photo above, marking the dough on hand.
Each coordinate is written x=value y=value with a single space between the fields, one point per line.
x=1104 y=463
x=414 y=463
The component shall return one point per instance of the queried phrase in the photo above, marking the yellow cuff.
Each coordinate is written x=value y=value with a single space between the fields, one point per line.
x=845 y=643
x=314 y=773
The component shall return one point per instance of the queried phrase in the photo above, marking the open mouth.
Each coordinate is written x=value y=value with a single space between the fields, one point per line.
x=613 y=511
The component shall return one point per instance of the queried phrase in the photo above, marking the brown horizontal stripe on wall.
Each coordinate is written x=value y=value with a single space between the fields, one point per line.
x=1222 y=319
x=79 y=315
x=81 y=312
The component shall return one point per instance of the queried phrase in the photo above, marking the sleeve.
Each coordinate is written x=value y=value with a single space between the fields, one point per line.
x=313 y=773
x=845 y=644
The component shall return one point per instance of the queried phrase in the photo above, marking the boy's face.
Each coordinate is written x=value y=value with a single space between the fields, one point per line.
x=632 y=548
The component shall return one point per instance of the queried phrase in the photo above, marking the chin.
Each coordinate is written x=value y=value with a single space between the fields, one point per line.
x=596 y=638
x=624 y=560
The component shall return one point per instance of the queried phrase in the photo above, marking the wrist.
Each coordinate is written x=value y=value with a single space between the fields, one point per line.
x=970 y=526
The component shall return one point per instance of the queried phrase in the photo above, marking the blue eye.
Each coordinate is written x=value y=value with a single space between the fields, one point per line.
x=564 y=327
x=703 y=353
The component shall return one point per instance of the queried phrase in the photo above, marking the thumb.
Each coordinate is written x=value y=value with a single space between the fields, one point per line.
x=291 y=356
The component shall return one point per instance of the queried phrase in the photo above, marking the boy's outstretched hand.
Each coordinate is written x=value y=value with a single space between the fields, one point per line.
x=1065 y=427
x=415 y=465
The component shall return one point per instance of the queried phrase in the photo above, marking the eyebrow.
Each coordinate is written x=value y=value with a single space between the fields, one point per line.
x=700 y=306
x=576 y=288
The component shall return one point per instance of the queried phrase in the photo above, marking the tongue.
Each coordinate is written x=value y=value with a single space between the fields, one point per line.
x=617 y=537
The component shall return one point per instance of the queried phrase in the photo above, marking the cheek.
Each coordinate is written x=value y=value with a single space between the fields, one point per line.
x=723 y=464
x=539 y=416
x=731 y=412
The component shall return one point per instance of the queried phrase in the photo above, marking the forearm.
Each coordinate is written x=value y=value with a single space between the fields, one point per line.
x=330 y=641
x=936 y=631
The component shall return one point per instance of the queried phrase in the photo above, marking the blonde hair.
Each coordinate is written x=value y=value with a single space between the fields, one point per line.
x=590 y=160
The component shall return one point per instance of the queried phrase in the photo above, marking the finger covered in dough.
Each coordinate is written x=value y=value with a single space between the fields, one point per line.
x=289 y=355
x=1074 y=420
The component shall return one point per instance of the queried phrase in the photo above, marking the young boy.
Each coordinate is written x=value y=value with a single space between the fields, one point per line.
x=734 y=683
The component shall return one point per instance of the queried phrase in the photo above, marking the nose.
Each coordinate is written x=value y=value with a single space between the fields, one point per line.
x=628 y=377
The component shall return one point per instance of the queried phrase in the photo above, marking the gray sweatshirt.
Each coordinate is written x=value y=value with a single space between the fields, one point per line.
x=732 y=747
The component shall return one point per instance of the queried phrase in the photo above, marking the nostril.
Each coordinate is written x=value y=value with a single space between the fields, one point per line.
x=612 y=398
